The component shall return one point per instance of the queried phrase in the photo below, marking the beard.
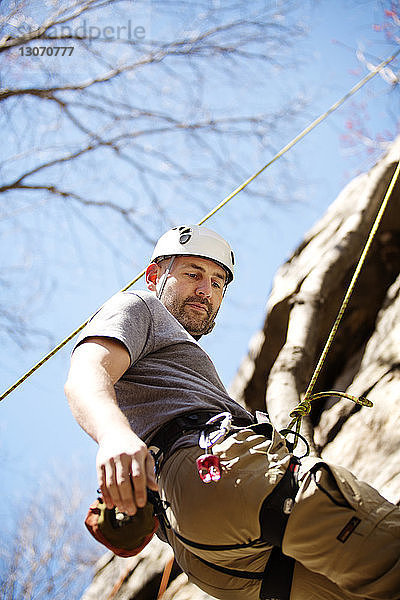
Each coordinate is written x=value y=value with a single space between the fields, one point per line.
x=196 y=323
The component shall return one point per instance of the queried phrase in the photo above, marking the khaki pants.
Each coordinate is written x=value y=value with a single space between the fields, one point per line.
x=366 y=564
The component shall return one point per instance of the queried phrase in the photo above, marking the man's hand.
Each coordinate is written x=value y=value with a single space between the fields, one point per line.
x=123 y=460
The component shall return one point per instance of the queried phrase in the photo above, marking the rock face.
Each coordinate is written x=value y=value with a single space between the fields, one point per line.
x=364 y=360
x=139 y=577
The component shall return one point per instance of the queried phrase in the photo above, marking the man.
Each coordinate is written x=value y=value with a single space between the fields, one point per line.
x=139 y=378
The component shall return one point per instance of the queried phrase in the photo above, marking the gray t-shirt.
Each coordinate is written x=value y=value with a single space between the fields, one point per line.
x=170 y=373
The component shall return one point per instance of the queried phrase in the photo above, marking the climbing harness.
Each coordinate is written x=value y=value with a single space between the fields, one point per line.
x=128 y=535
x=304 y=407
x=276 y=579
x=278 y=505
x=236 y=191
x=276 y=508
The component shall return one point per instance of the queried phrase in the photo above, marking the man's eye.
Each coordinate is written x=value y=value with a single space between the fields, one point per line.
x=217 y=284
x=192 y=275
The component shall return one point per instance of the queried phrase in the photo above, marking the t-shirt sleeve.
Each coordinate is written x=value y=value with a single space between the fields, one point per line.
x=125 y=317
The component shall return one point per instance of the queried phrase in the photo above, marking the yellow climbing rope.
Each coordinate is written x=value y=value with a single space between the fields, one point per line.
x=304 y=406
x=283 y=151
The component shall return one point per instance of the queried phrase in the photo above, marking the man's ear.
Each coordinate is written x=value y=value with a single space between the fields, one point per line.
x=152 y=275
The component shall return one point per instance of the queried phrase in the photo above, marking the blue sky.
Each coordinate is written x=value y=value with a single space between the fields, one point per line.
x=37 y=432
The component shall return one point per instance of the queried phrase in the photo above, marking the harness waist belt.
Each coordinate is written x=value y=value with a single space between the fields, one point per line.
x=185 y=424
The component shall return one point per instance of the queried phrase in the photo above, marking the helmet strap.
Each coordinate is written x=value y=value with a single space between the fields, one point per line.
x=163 y=279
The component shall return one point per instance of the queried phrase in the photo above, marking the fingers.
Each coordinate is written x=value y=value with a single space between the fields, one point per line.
x=102 y=478
x=126 y=502
x=109 y=477
x=123 y=481
x=143 y=477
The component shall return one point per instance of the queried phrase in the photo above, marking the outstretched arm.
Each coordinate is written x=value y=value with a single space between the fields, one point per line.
x=96 y=365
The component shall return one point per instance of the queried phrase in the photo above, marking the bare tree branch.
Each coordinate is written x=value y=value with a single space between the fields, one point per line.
x=47 y=554
x=132 y=126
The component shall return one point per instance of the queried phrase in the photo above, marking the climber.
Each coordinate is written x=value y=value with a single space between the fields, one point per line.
x=141 y=386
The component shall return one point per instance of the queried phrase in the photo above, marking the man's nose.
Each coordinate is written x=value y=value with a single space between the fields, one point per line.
x=204 y=289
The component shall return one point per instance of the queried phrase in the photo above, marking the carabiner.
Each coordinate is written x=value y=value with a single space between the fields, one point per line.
x=208 y=440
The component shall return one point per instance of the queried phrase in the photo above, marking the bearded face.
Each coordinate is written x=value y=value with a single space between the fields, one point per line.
x=195 y=315
x=193 y=293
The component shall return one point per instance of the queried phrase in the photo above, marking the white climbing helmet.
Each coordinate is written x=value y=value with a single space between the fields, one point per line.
x=193 y=240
